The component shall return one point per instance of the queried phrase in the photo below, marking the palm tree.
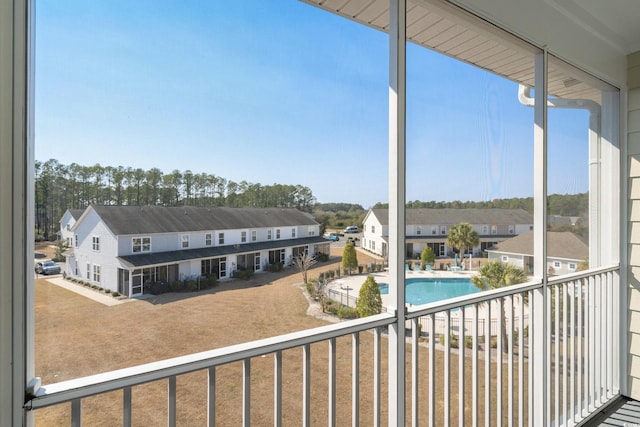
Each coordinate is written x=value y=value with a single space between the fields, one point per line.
x=494 y=275
x=462 y=237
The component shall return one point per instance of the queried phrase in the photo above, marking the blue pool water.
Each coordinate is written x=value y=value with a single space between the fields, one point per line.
x=423 y=291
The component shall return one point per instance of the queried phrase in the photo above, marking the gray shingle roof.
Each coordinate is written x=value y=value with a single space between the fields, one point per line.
x=450 y=216
x=559 y=245
x=76 y=213
x=124 y=220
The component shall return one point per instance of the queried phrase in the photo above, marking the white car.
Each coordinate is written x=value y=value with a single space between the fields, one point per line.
x=351 y=229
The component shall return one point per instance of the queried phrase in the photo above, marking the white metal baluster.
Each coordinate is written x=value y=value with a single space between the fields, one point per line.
x=532 y=330
x=277 y=386
x=580 y=332
x=126 y=413
x=447 y=367
x=511 y=323
x=246 y=392
x=615 y=320
x=610 y=339
x=355 y=387
x=461 y=346
x=556 y=358
x=76 y=413
x=432 y=369
x=306 y=385
x=474 y=368
x=172 y=402
x=499 y=343
x=521 y=362
x=565 y=339
x=414 y=372
x=376 y=376
x=548 y=368
x=592 y=346
x=597 y=338
x=211 y=397
x=487 y=364
x=573 y=325
x=332 y=382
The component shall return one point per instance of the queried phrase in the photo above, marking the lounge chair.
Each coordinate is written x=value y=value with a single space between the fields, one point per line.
x=428 y=268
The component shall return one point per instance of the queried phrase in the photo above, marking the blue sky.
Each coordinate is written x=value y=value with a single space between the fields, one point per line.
x=279 y=92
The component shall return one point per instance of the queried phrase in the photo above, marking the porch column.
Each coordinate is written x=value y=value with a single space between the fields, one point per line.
x=16 y=210
x=397 y=196
x=539 y=386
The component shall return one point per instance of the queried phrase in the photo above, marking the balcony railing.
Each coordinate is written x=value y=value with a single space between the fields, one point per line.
x=457 y=375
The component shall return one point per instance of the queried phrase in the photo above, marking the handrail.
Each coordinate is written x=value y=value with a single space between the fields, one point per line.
x=65 y=391
x=480 y=297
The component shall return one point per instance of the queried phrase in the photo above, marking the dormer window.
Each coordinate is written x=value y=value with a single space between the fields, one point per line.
x=185 y=241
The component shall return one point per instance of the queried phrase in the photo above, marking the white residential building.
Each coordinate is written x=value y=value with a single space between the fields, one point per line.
x=565 y=252
x=125 y=248
x=430 y=227
x=67 y=221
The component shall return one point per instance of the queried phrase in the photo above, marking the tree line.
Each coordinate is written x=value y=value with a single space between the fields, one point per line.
x=558 y=204
x=59 y=187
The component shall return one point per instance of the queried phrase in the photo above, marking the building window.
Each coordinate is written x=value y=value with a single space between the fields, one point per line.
x=505 y=258
x=223 y=267
x=373 y=245
x=185 y=241
x=141 y=244
x=207 y=239
x=243 y=237
x=277 y=233
x=88 y=271
x=254 y=235
x=373 y=229
x=76 y=240
x=418 y=230
x=494 y=229
x=269 y=234
x=96 y=273
x=443 y=229
x=95 y=243
x=512 y=229
x=434 y=230
x=557 y=264
x=312 y=231
x=572 y=266
x=293 y=233
x=221 y=238
x=485 y=229
x=68 y=227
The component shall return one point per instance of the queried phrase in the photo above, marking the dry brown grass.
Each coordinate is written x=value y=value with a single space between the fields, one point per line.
x=77 y=337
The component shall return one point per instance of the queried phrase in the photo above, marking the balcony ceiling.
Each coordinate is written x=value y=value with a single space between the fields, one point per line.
x=444 y=28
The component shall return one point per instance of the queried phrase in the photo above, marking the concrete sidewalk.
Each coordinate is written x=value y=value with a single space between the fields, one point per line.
x=87 y=292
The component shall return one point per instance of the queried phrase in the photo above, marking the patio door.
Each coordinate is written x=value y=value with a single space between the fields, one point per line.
x=136 y=283
x=256 y=263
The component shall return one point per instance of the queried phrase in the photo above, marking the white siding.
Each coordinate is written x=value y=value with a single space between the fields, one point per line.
x=106 y=257
x=634 y=219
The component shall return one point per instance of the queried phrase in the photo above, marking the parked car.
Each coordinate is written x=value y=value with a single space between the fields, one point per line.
x=351 y=229
x=47 y=267
x=331 y=236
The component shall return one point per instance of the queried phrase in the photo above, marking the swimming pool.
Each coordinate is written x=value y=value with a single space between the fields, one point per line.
x=426 y=290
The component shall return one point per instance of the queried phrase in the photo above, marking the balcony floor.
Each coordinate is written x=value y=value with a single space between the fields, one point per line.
x=624 y=412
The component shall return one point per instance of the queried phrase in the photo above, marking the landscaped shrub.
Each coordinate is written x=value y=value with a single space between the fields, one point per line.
x=176 y=286
x=331 y=308
x=322 y=257
x=337 y=272
x=453 y=340
x=345 y=312
x=211 y=281
x=360 y=269
x=191 y=285
x=275 y=267
x=107 y=291
x=244 y=274
x=321 y=276
x=332 y=274
x=115 y=294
